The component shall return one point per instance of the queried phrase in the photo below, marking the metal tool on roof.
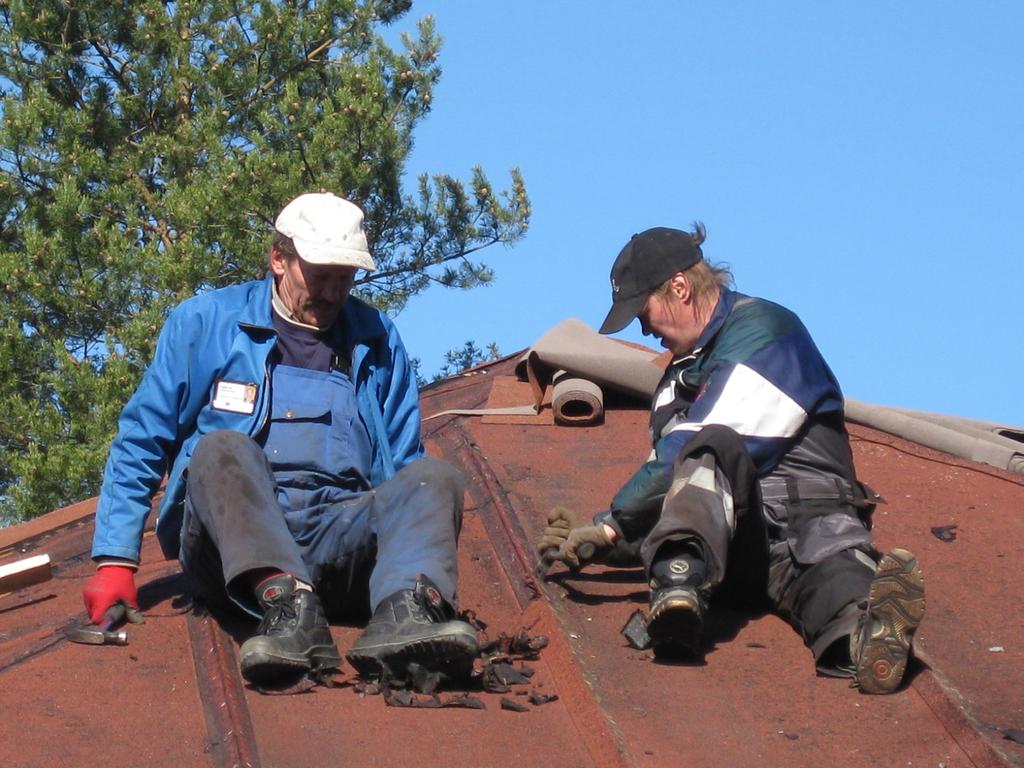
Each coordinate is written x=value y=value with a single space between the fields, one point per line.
x=550 y=557
x=546 y=561
x=96 y=635
x=104 y=632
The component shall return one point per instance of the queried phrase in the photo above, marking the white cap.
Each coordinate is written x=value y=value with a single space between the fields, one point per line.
x=326 y=229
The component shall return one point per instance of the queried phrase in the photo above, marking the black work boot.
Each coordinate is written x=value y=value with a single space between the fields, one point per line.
x=676 y=620
x=292 y=637
x=415 y=626
x=880 y=647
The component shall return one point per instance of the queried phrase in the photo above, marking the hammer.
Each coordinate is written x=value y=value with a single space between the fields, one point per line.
x=103 y=633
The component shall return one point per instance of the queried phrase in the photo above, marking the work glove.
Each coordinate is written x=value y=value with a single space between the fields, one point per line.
x=583 y=545
x=566 y=538
x=560 y=522
x=111 y=585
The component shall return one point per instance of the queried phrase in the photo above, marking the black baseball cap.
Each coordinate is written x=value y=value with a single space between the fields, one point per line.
x=648 y=260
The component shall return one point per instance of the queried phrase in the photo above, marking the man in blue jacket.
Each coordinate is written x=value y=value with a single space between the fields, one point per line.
x=285 y=415
x=750 y=487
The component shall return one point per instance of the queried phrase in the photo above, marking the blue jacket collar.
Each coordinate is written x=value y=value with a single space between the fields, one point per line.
x=257 y=311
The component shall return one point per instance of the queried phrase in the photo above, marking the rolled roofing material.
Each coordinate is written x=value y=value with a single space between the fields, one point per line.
x=576 y=401
x=976 y=426
x=984 y=442
x=574 y=346
x=580 y=363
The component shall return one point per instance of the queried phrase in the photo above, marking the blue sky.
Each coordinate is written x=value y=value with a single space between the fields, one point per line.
x=860 y=163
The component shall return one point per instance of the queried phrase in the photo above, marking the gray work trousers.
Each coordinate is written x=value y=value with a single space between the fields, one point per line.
x=355 y=552
x=814 y=576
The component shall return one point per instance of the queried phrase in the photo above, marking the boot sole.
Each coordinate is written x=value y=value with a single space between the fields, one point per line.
x=895 y=609
x=675 y=626
x=452 y=654
x=259 y=665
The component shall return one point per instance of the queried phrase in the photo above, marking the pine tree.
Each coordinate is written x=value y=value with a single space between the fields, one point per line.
x=145 y=148
x=469 y=355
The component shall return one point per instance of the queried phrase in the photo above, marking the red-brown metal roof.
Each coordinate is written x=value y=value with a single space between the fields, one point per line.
x=173 y=696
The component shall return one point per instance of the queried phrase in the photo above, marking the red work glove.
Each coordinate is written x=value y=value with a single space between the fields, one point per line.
x=110 y=585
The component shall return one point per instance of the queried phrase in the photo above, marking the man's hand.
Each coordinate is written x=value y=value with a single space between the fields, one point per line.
x=560 y=522
x=568 y=540
x=584 y=544
x=110 y=585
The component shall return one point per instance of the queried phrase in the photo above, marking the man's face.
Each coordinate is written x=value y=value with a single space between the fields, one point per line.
x=315 y=293
x=672 y=320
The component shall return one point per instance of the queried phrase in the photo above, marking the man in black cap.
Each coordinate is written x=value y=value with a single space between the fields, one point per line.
x=750 y=489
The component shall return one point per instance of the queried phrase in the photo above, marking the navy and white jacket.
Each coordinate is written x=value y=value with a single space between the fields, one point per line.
x=756 y=370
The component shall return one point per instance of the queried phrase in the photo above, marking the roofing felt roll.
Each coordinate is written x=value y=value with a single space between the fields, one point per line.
x=952 y=435
x=575 y=347
x=576 y=401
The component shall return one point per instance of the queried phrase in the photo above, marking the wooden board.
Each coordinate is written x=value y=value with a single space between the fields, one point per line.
x=24 y=573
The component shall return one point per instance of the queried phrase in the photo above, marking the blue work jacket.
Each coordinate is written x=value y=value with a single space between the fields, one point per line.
x=227 y=335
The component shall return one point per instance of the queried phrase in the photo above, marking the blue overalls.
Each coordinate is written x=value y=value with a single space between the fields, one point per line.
x=318 y=448
x=302 y=503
